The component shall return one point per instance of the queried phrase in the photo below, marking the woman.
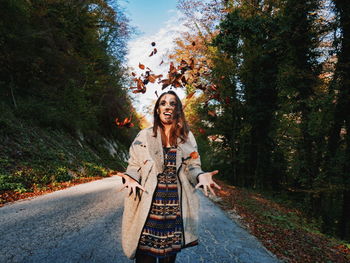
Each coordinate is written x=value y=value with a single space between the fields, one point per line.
x=161 y=211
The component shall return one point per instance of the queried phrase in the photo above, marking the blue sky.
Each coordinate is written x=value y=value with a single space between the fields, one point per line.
x=149 y=15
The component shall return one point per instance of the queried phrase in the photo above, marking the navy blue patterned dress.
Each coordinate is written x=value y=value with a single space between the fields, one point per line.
x=162 y=233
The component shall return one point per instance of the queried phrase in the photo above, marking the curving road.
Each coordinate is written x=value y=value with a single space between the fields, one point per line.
x=82 y=224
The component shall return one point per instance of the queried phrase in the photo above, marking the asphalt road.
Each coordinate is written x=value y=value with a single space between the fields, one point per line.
x=83 y=224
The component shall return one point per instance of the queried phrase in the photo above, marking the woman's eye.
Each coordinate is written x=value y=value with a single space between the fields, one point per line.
x=172 y=104
x=162 y=103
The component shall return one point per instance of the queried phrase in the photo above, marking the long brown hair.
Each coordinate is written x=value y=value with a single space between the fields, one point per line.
x=179 y=128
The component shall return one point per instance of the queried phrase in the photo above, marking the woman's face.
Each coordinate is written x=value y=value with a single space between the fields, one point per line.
x=166 y=109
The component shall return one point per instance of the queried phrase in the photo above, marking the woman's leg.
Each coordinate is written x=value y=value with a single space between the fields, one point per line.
x=142 y=258
x=169 y=259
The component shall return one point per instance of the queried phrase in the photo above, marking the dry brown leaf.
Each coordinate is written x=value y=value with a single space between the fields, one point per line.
x=190 y=95
x=141 y=66
x=212 y=113
x=152 y=78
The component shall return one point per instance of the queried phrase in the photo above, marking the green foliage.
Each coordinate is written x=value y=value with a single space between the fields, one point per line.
x=93 y=170
x=284 y=69
x=62 y=175
x=61 y=63
x=33 y=157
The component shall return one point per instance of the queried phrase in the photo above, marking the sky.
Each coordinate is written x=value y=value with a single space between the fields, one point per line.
x=157 y=21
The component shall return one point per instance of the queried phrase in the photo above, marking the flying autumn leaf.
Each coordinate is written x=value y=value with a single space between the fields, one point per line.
x=190 y=95
x=152 y=78
x=184 y=80
x=142 y=90
x=161 y=63
x=153 y=52
x=141 y=66
x=165 y=82
x=125 y=123
x=212 y=113
x=153 y=44
x=213 y=87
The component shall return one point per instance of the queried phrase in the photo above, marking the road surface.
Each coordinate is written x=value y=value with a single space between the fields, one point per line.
x=82 y=224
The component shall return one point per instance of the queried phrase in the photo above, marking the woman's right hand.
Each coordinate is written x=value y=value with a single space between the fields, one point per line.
x=130 y=183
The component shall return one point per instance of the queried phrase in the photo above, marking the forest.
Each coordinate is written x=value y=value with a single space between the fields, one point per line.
x=274 y=111
x=268 y=92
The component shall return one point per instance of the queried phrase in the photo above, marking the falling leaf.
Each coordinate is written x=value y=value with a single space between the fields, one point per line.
x=176 y=84
x=155 y=51
x=166 y=83
x=158 y=76
x=126 y=122
x=193 y=43
x=142 y=90
x=212 y=113
x=156 y=93
x=133 y=74
x=183 y=80
x=141 y=66
x=153 y=44
x=189 y=96
x=161 y=63
x=152 y=78
x=150 y=55
x=213 y=87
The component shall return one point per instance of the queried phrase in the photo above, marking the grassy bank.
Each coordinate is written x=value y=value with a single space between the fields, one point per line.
x=283 y=230
x=35 y=159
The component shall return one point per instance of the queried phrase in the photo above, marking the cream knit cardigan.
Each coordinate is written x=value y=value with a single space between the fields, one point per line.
x=145 y=163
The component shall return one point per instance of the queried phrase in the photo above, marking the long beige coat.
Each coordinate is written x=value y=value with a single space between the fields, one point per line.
x=145 y=163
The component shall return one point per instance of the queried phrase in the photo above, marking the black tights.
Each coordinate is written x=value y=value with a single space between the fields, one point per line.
x=142 y=258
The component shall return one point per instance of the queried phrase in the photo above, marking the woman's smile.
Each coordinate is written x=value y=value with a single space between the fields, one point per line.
x=166 y=109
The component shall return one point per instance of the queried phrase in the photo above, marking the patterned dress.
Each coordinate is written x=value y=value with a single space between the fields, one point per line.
x=162 y=233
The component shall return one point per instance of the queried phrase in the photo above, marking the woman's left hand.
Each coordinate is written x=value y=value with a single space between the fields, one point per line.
x=206 y=181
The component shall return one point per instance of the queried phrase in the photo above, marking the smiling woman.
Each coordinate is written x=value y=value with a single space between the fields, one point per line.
x=161 y=211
